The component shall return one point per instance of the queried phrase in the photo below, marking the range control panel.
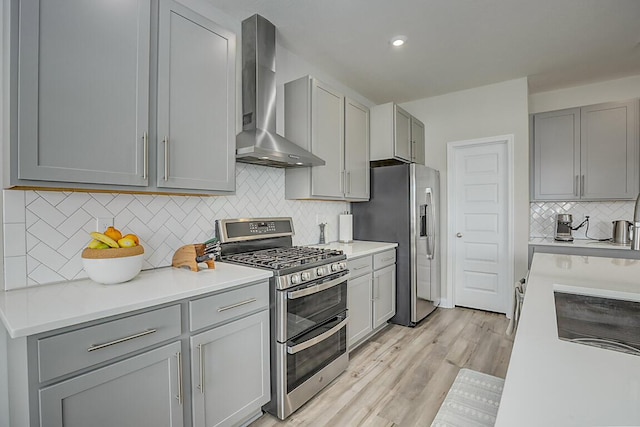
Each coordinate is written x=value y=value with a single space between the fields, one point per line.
x=234 y=230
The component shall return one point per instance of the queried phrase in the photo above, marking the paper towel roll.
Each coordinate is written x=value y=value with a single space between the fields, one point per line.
x=345 y=230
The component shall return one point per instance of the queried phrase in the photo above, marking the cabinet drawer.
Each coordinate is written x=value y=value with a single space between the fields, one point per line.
x=68 y=352
x=215 y=309
x=384 y=258
x=359 y=266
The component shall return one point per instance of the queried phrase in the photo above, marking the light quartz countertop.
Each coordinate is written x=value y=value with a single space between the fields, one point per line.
x=44 y=308
x=358 y=248
x=577 y=243
x=557 y=383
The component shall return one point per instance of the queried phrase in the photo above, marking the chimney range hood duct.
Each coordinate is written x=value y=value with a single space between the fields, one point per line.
x=258 y=142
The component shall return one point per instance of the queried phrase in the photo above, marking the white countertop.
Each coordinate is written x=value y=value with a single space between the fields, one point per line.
x=557 y=383
x=577 y=243
x=358 y=248
x=38 y=309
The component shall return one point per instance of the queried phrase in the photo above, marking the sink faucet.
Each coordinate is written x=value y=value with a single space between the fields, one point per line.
x=635 y=237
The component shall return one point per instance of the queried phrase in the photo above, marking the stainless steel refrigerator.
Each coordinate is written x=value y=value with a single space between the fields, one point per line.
x=404 y=208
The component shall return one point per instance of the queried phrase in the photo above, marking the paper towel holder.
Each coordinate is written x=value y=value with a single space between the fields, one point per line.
x=345 y=228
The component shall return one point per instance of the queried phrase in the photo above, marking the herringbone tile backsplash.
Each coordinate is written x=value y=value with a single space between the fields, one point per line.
x=601 y=214
x=45 y=231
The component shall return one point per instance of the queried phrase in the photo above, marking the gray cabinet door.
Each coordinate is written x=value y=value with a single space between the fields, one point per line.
x=359 y=303
x=142 y=391
x=196 y=101
x=609 y=151
x=327 y=140
x=402 y=132
x=230 y=371
x=356 y=142
x=556 y=155
x=417 y=141
x=83 y=91
x=384 y=295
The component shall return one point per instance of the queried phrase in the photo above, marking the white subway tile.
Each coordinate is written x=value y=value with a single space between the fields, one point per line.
x=15 y=272
x=15 y=240
x=13 y=205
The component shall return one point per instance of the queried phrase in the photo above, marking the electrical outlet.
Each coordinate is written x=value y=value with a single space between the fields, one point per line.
x=102 y=223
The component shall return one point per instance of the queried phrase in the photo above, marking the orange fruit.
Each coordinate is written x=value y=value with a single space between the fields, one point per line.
x=132 y=237
x=114 y=233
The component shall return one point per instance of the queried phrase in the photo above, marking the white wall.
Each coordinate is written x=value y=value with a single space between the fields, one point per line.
x=610 y=90
x=486 y=111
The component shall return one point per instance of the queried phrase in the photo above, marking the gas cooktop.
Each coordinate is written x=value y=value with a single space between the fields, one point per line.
x=284 y=258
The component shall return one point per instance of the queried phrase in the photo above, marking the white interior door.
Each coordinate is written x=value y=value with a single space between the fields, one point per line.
x=480 y=198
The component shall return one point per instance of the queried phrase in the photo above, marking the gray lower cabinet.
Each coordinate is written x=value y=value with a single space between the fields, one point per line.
x=384 y=295
x=587 y=153
x=143 y=391
x=87 y=111
x=359 y=302
x=196 y=128
x=230 y=371
x=371 y=295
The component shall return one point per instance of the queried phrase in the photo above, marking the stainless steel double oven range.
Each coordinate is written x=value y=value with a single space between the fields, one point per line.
x=308 y=305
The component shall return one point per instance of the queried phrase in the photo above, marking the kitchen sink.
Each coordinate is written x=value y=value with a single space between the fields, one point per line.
x=608 y=323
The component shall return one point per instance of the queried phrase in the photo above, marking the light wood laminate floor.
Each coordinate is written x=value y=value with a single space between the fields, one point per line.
x=402 y=375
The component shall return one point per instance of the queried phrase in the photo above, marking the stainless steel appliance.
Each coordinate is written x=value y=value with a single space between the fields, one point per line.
x=621 y=234
x=404 y=208
x=563 y=229
x=258 y=142
x=308 y=299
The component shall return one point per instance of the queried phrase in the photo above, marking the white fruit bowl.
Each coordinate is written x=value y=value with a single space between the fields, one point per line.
x=111 y=266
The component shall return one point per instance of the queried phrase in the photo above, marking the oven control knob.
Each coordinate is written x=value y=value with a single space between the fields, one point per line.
x=306 y=276
x=337 y=266
x=320 y=271
x=343 y=265
x=295 y=279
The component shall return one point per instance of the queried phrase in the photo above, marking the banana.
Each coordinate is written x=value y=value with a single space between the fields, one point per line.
x=105 y=239
x=94 y=244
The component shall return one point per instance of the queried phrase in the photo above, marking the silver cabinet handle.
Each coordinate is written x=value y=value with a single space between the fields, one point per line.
x=145 y=154
x=323 y=336
x=388 y=259
x=166 y=157
x=315 y=289
x=349 y=182
x=180 y=389
x=121 y=340
x=201 y=356
x=458 y=235
x=360 y=268
x=238 y=304
x=582 y=186
x=575 y=186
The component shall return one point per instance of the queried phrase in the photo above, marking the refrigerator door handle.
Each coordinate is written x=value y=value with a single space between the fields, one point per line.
x=430 y=224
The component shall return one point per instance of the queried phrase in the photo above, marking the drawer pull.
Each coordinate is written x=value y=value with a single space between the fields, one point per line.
x=238 y=304
x=180 y=389
x=388 y=259
x=121 y=340
x=360 y=268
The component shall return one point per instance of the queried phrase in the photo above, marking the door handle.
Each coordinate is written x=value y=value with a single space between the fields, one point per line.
x=582 y=185
x=575 y=187
x=458 y=235
x=145 y=154
x=180 y=395
x=166 y=157
x=323 y=336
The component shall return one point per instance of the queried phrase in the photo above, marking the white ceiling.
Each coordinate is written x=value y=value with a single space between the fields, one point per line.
x=455 y=44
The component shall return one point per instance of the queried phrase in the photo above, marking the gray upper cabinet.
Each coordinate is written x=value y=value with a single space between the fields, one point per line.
x=356 y=149
x=196 y=79
x=83 y=91
x=588 y=153
x=86 y=116
x=556 y=155
x=609 y=151
x=321 y=120
x=396 y=135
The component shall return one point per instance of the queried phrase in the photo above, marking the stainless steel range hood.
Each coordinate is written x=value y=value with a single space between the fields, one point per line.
x=258 y=142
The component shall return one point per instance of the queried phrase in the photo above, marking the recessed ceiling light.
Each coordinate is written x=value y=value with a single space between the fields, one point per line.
x=398 y=41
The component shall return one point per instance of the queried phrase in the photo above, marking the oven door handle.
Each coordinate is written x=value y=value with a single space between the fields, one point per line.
x=323 y=336
x=315 y=289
